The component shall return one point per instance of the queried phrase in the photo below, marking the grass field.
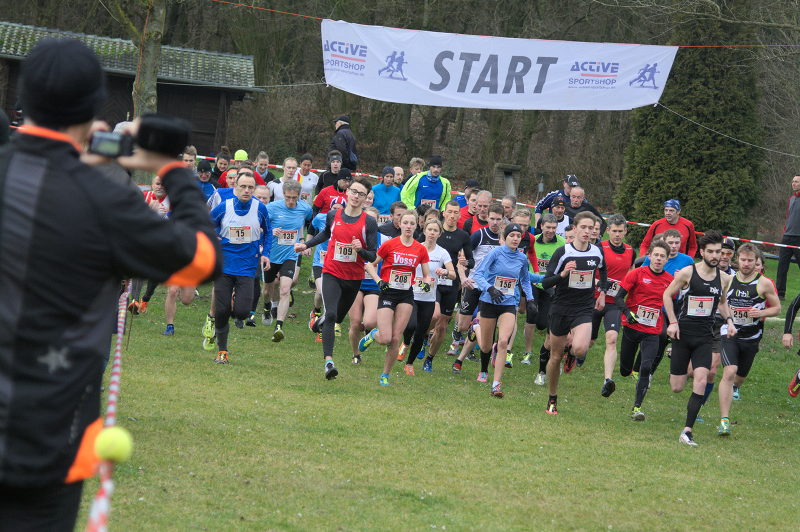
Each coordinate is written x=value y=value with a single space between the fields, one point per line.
x=266 y=443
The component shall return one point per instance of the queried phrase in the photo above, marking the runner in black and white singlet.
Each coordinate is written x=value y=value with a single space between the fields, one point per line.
x=572 y=271
x=691 y=328
x=751 y=298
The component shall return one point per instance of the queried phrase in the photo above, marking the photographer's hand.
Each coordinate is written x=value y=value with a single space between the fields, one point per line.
x=144 y=159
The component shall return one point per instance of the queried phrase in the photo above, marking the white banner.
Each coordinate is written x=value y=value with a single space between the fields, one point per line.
x=447 y=69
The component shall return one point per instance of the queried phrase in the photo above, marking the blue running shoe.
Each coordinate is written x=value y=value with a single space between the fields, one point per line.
x=384 y=380
x=367 y=341
x=169 y=331
x=736 y=395
x=421 y=353
x=428 y=365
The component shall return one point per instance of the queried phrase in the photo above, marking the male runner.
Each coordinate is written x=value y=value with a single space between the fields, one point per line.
x=481 y=217
x=428 y=188
x=691 y=327
x=391 y=227
x=569 y=181
x=673 y=220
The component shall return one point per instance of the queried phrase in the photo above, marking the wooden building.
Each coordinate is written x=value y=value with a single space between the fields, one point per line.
x=196 y=85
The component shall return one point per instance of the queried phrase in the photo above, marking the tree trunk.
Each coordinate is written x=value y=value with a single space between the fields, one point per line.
x=145 y=98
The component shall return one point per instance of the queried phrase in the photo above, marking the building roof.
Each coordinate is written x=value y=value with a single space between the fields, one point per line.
x=180 y=65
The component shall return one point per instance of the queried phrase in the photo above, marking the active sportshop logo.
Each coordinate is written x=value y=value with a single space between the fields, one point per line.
x=646 y=78
x=594 y=74
x=394 y=66
x=345 y=56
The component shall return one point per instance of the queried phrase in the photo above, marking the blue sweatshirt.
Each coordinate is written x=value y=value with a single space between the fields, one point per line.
x=512 y=267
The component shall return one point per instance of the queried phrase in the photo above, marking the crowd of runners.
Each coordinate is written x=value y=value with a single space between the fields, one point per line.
x=416 y=268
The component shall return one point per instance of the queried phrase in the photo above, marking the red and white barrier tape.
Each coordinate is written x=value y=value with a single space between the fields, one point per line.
x=101 y=506
x=776 y=244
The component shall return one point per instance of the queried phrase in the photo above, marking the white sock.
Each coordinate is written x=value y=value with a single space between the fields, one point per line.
x=495 y=383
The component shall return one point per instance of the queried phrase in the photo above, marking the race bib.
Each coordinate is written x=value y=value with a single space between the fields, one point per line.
x=430 y=202
x=699 y=306
x=505 y=285
x=399 y=280
x=344 y=252
x=305 y=196
x=543 y=264
x=286 y=238
x=740 y=317
x=418 y=282
x=322 y=255
x=240 y=235
x=580 y=279
x=647 y=316
x=444 y=280
x=383 y=218
x=613 y=288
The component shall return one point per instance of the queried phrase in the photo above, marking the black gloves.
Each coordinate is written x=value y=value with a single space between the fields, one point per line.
x=532 y=308
x=383 y=285
x=496 y=295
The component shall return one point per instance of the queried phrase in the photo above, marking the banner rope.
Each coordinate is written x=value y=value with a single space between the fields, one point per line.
x=101 y=506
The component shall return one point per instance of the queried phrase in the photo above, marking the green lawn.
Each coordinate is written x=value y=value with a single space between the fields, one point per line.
x=266 y=443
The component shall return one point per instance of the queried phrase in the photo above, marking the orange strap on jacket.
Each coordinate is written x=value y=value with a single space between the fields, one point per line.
x=200 y=268
x=86 y=460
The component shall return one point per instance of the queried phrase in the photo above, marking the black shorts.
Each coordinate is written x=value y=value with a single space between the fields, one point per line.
x=739 y=353
x=370 y=292
x=562 y=323
x=285 y=269
x=469 y=301
x=715 y=334
x=611 y=316
x=447 y=296
x=317 y=272
x=694 y=349
x=391 y=298
x=543 y=300
x=491 y=311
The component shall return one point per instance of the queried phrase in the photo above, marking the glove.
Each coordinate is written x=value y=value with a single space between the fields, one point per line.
x=496 y=295
x=630 y=316
x=532 y=308
x=383 y=285
x=426 y=287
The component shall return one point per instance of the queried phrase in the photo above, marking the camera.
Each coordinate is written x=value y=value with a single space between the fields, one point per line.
x=158 y=133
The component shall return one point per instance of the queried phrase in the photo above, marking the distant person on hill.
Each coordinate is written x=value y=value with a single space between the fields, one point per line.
x=344 y=141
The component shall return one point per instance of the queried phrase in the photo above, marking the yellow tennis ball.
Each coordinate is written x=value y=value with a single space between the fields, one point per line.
x=114 y=443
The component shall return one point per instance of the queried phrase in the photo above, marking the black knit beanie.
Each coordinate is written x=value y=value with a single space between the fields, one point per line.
x=62 y=83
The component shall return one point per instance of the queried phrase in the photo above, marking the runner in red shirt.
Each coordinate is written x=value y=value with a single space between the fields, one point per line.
x=673 y=220
x=643 y=318
x=401 y=256
x=618 y=258
x=469 y=210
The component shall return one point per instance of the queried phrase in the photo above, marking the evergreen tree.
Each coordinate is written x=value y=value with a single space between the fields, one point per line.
x=715 y=178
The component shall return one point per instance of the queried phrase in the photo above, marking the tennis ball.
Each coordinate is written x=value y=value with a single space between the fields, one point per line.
x=114 y=443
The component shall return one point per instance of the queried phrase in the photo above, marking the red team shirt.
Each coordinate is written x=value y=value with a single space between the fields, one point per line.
x=400 y=262
x=342 y=260
x=329 y=196
x=645 y=291
x=617 y=267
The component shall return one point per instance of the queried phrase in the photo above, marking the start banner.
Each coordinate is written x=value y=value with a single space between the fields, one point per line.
x=447 y=69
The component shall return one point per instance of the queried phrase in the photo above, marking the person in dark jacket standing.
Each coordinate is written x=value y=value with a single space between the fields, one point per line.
x=344 y=141
x=791 y=236
x=51 y=352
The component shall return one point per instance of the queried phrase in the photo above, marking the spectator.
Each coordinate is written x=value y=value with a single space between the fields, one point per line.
x=791 y=237
x=344 y=141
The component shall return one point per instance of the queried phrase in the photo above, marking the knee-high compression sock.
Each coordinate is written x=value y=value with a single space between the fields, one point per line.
x=486 y=356
x=692 y=408
x=544 y=358
x=709 y=389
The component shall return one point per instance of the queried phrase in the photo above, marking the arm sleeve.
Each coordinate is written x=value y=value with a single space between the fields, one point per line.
x=691 y=249
x=603 y=284
x=408 y=194
x=467 y=248
x=181 y=250
x=368 y=253
x=475 y=239
x=545 y=203
x=791 y=312
x=266 y=227
x=619 y=299
x=323 y=235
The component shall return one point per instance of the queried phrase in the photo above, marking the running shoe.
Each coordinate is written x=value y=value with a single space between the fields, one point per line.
x=169 y=331
x=278 y=335
x=472 y=357
x=251 y=321
x=698 y=419
x=497 y=392
x=482 y=376
x=337 y=330
x=428 y=365
x=458 y=336
x=239 y=324
x=401 y=355
x=384 y=380
x=222 y=357
x=208 y=327
x=687 y=439
x=569 y=363
x=367 y=341
x=454 y=349
x=421 y=353
x=736 y=394
x=551 y=409
x=143 y=307
x=540 y=379
x=330 y=370
x=457 y=367
x=637 y=414
x=794 y=385
x=356 y=360
x=266 y=317
x=209 y=344
x=133 y=307
x=635 y=375
x=608 y=388
x=318 y=338
x=409 y=369
x=580 y=360
x=527 y=358
x=509 y=358
x=313 y=316
x=724 y=428
x=318 y=324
